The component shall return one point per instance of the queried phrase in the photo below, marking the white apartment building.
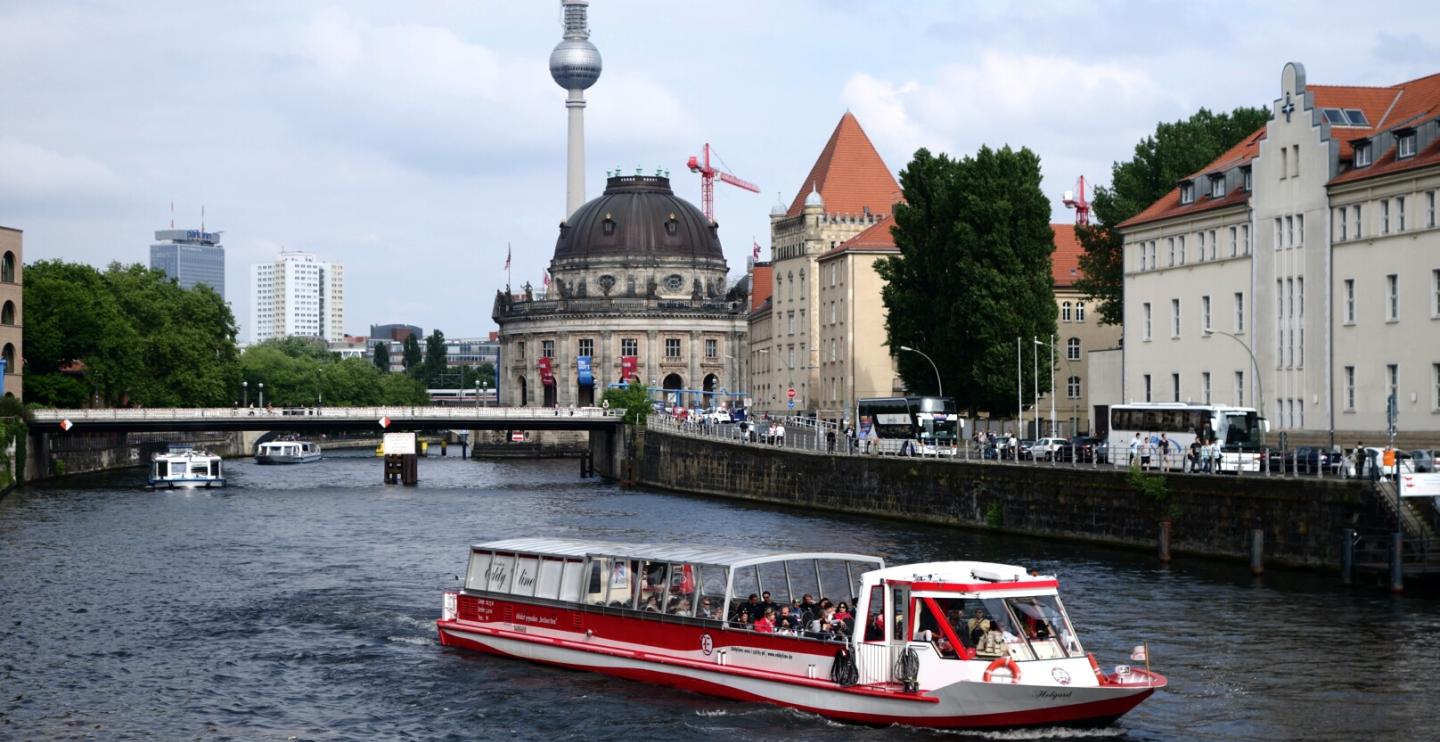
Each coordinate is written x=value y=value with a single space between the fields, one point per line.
x=1300 y=271
x=297 y=294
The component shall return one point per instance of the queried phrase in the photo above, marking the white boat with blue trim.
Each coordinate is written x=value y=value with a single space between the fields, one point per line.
x=186 y=467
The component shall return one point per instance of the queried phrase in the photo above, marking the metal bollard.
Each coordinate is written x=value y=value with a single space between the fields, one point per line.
x=1347 y=556
x=1257 y=551
x=1165 y=541
x=1397 y=562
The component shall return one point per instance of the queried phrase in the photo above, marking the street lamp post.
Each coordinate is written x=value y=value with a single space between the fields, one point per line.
x=939 y=387
x=1035 y=382
x=1259 y=382
x=245 y=389
x=477 y=394
x=1052 y=387
x=262 y=394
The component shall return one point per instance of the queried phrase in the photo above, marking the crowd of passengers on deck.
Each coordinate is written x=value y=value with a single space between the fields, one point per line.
x=805 y=617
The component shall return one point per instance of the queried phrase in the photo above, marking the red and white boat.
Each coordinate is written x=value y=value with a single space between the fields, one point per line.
x=667 y=614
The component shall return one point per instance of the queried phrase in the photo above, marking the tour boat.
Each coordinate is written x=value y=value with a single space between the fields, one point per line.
x=186 y=467
x=287 y=452
x=669 y=614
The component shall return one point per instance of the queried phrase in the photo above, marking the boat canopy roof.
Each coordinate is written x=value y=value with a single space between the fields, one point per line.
x=968 y=577
x=692 y=553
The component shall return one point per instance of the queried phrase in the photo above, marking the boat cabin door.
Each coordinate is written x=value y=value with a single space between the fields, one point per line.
x=898 y=613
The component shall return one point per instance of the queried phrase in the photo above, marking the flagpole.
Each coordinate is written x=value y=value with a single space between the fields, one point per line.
x=1148 y=677
x=507 y=268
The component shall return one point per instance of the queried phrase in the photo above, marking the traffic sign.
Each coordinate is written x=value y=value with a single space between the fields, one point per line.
x=790 y=393
x=66 y=425
x=384 y=422
x=792 y=404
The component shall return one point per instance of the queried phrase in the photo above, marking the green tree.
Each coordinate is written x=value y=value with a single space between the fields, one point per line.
x=400 y=389
x=435 y=361
x=972 y=274
x=1176 y=150
x=633 y=399
x=412 y=357
x=381 y=357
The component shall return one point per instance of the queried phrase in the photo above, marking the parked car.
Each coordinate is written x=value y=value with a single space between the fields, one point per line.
x=1088 y=449
x=1424 y=461
x=718 y=416
x=1303 y=460
x=1023 y=446
x=1048 y=449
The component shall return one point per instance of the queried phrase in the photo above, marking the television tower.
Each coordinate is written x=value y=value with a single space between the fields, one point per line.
x=575 y=66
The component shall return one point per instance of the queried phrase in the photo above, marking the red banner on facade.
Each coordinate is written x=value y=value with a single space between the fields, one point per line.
x=629 y=367
x=547 y=376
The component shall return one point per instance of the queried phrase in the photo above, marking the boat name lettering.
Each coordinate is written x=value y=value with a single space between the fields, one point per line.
x=496 y=574
x=548 y=621
x=1054 y=694
x=762 y=652
x=526 y=579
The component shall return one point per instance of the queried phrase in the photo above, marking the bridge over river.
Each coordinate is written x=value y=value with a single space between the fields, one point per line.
x=301 y=419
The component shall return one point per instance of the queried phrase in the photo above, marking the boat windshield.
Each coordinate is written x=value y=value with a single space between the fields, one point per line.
x=1026 y=628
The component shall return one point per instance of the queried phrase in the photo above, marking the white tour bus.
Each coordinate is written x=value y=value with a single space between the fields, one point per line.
x=1239 y=431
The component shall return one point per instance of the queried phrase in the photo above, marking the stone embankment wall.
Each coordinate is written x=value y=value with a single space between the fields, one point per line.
x=78 y=452
x=1211 y=515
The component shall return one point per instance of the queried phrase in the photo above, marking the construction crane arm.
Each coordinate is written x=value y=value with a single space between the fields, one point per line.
x=732 y=180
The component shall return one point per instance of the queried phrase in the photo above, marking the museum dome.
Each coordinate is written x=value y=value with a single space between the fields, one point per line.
x=639 y=219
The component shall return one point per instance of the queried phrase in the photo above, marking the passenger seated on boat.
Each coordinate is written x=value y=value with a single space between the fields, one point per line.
x=651 y=604
x=679 y=606
x=766 y=602
x=786 y=621
x=766 y=624
x=842 y=613
x=875 y=631
x=752 y=604
x=992 y=642
x=707 y=609
x=742 y=619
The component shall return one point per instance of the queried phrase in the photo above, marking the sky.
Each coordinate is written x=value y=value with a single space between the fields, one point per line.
x=413 y=142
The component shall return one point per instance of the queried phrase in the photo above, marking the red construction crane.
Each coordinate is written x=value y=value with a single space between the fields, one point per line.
x=1079 y=204
x=707 y=181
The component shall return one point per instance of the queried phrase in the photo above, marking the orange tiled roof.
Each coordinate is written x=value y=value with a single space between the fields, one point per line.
x=1169 y=205
x=762 y=284
x=874 y=238
x=849 y=174
x=1065 y=261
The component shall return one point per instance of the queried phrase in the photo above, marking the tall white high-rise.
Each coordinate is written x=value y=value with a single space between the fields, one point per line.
x=297 y=294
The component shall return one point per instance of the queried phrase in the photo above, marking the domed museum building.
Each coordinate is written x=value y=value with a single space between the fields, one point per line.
x=638 y=291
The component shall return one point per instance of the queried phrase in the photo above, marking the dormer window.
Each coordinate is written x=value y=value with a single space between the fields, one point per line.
x=671 y=224
x=1405 y=144
x=1187 y=192
x=1362 y=153
x=1217 y=186
x=608 y=225
x=1249 y=182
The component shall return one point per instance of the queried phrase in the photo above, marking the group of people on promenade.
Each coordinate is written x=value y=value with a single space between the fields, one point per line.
x=804 y=617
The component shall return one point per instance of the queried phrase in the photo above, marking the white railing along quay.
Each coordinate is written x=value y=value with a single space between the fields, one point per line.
x=408 y=412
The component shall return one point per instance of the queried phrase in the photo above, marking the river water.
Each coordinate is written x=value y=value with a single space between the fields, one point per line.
x=299 y=603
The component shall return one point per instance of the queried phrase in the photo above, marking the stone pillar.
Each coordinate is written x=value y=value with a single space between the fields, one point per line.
x=652 y=359
x=696 y=348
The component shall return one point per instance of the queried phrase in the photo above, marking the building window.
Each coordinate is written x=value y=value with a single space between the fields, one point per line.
x=1205 y=312
x=1349 y=301
x=1405 y=145
x=791 y=319
x=586 y=347
x=1245 y=233
x=1384 y=216
x=712 y=348
x=1147 y=387
x=1072 y=349
x=833 y=312
x=1279 y=233
x=1300 y=230
x=1217 y=186
x=672 y=347
x=1205 y=387
x=1349 y=387
x=1392 y=375
x=547 y=348
x=1340 y=222
x=1072 y=386
x=1174 y=318
x=1175 y=387
x=1145 y=326
x=1284 y=162
x=1399 y=213
x=1295 y=161
x=1153 y=262
x=1079 y=311
x=1234 y=241
x=1212 y=244
x=629 y=347
x=1430 y=209
x=1182 y=249
x=1435 y=386
x=1289 y=231
x=1239 y=388
x=1249 y=181
x=1201 y=255
x=1392 y=297
x=1355 y=213
x=1239 y=312
x=1435 y=293
x=834 y=349
x=1171 y=244
x=1065 y=311
x=1362 y=153
x=1187 y=192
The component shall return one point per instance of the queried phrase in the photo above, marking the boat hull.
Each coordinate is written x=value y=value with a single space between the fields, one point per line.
x=285 y=459
x=186 y=484
x=961 y=705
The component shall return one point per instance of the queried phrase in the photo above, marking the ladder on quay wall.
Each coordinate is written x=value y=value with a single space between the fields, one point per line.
x=1412 y=522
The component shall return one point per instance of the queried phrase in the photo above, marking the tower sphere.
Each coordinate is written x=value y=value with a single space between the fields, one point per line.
x=575 y=64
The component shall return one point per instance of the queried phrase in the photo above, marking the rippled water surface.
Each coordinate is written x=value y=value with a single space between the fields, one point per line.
x=300 y=603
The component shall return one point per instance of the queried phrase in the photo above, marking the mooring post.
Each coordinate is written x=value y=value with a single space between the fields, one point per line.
x=1397 y=562
x=1165 y=541
x=1347 y=556
x=1257 y=551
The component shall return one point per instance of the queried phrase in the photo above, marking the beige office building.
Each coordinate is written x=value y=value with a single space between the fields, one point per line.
x=1300 y=271
x=12 y=309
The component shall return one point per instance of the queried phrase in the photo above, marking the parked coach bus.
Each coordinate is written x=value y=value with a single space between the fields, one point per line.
x=923 y=426
x=1240 y=431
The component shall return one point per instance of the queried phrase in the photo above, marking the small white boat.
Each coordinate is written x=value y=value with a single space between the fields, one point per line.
x=186 y=467
x=287 y=452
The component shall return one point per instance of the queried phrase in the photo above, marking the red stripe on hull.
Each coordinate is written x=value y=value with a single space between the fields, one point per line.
x=1095 y=713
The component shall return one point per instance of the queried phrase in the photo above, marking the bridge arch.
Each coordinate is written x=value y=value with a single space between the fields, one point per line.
x=674 y=382
x=7 y=315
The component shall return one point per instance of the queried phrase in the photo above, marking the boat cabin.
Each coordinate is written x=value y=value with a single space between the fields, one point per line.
x=697 y=582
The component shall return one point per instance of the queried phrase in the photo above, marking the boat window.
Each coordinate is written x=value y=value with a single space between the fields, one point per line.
x=652 y=589
x=475 y=575
x=857 y=570
x=834 y=580
x=875 y=615
x=712 y=592
x=600 y=578
x=898 y=599
x=682 y=590
x=527 y=567
x=772 y=580
x=571 y=581
x=623 y=583
x=549 y=587
x=1007 y=636
x=1046 y=626
x=803 y=579
x=501 y=568
x=966 y=618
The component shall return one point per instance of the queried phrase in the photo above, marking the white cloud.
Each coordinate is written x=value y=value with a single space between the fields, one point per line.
x=33 y=173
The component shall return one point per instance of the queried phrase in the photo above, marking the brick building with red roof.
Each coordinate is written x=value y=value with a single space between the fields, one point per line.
x=1313 y=245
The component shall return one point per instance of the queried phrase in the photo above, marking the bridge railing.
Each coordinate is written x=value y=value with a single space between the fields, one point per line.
x=408 y=412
